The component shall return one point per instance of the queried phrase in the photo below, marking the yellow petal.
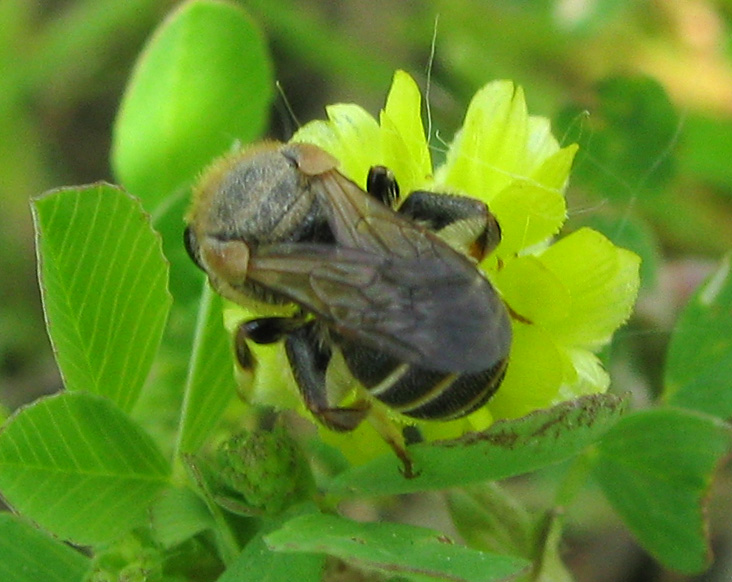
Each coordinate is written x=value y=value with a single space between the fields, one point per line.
x=403 y=141
x=351 y=135
x=320 y=133
x=540 y=143
x=359 y=445
x=489 y=151
x=441 y=431
x=532 y=291
x=553 y=171
x=527 y=213
x=272 y=383
x=535 y=373
x=532 y=209
x=602 y=280
x=591 y=376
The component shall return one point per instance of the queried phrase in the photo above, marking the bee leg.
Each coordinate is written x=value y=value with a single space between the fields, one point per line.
x=394 y=436
x=468 y=221
x=309 y=359
x=268 y=330
x=382 y=185
x=264 y=330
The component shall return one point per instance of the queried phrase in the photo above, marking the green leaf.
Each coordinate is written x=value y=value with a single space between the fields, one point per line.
x=624 y=144
x=258 y=563
x=29 y=555
x=550 y=566
x=699 y=362
x=185 y=276
x=203 y=81
x=707 y=148
x=392 y=549
x=488 y=518
x=178 y=515
x=507 y=448
x=103 y=280
x=210 y=385
x=655 y=467
x=78 y=466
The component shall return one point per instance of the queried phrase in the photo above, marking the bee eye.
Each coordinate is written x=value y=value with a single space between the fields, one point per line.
x=191 y=244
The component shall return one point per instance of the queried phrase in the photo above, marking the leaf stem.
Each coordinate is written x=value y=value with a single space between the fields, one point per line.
x=575 y=478
x=203 y=315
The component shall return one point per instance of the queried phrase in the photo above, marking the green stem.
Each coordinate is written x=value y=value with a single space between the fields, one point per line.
x=226 y=540
x=490 y=518
x=575 y=478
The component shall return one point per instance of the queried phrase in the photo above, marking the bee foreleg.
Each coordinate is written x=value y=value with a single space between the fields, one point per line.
x=461 y=221
x=263 y=330
x=268 y=330
x=309 y=359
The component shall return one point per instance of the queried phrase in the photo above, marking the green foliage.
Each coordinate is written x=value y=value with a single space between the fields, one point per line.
x=124 y=459
x=103 y=278
x=656 y=467
x=78 y=466
x=699 y=367
x=266 y=468
x=507 y=448
x=210 y=383
x=708 y=149
x=392 y=549
x=258 y=563
x=640 y=156
x=30 y=555
x=203 y=79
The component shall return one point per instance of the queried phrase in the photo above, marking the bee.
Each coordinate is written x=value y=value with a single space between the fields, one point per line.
x=416 y=322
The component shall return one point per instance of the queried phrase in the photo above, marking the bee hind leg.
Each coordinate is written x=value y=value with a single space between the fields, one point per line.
x=397 y=437
x=464 y=222
x=309 y=359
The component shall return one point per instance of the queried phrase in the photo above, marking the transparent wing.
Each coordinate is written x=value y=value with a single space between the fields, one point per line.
x=390 y=284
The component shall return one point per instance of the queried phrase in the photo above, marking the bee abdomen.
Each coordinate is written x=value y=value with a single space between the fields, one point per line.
x=452 y=396
x=420 y=393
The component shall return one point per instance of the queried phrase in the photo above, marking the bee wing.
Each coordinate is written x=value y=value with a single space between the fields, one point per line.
x=419 y=310
x=391 y=284
x=360 y=221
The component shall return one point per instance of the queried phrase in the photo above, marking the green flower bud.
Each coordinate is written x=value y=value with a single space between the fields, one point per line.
x=265 y=467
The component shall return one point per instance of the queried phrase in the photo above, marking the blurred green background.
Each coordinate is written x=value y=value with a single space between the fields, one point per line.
x=644 y=86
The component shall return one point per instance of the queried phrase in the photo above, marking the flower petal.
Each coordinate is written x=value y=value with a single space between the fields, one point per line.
x=535 y=373
x=357 y=446
x=532 y=290
x=540 y=143
x=602 y=280
x=532 y=209
x=351 y=135
x=528 y=213
x=403 y=141
x=489 y=151
x=553 y=172
x=591 y=376
x=320 y=133
x=272 y=383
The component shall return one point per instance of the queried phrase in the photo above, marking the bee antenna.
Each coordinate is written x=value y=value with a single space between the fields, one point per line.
x=288 y=107
x=428 y=85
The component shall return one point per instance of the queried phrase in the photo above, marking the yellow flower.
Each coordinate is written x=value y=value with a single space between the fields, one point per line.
x=566 y=298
